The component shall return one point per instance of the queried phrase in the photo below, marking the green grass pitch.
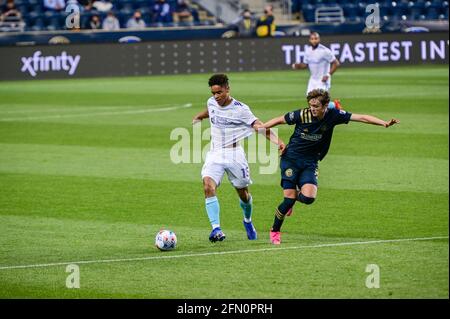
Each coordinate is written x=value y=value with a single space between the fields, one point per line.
x=85 y=175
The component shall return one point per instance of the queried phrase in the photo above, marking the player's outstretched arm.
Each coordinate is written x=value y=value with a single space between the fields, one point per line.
x=369 y=119
x=275 y=121
x=200 y=116
x=270 y=135
x=299 y=66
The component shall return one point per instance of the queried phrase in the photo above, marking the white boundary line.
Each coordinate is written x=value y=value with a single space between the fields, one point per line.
x=58 y=116
x=64 y=109
x=223 y=252
x=67 y=110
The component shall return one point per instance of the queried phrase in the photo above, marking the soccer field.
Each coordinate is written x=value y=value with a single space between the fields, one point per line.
x=86 y=178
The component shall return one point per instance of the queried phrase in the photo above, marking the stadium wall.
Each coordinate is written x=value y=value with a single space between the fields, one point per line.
x=209 y=56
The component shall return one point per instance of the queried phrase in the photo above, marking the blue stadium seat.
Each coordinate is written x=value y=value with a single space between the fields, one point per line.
x=23 y=9
x=123 y=18
x=432 y=9
x=350 y=10
x=35 y=8
x=85 y=17
x=361 y=8
x=123 y=3
x=354 y=19
x=402 y=7
x=432 y=14
x=142 y=4
x=53 y=24
x=49 y=14
x=422 y=17
x=305 y=2
x=385 y=9
x=437 y=3
x=38 y=25
x=444 y=9
x=309 y=12
x=127 y=8
x=419 y=4
x=415 y=10
x=296 y=6
x=329 y=2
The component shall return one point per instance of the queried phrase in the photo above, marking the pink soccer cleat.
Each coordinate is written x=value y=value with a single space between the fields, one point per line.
x=275 y=237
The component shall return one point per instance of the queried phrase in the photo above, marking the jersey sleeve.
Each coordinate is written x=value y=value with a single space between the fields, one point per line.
x=342 y=117
x=292 y=117
x=329 y=56
x=247 y=116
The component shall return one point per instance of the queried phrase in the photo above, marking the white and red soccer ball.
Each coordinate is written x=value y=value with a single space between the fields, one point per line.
x=166 y=240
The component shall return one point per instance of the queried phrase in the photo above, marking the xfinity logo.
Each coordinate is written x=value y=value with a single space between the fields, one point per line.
x=38 y=63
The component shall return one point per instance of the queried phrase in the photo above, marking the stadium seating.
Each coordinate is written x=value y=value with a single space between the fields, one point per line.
x=389 y=10
x=37 y=18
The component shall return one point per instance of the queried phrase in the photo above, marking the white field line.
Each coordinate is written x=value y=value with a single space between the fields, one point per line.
x=231 y=252
x=124 y=112
x=64 y=108
x=119 y=107
x=74 y=109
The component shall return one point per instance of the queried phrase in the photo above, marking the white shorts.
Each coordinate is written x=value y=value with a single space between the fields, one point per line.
x=318 y=84
x=230 y=160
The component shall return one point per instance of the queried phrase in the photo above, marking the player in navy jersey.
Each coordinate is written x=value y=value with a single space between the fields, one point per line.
x=307 y=146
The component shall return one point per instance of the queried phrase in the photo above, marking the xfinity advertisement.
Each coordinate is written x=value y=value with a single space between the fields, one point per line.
x=38 y=63
x=209 y=56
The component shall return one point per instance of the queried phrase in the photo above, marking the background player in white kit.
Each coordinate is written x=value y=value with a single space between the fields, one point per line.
x=321 y=63
x=231 y=121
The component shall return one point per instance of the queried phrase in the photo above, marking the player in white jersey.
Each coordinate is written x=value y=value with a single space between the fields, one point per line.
x=321 y=63
x=231 y=121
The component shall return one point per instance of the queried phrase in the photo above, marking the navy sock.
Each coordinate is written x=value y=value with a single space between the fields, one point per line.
x=281 y=212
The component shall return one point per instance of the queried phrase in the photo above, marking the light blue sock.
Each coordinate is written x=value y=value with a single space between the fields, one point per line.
x=213 y=210
x=247 y=208
x=331 y=105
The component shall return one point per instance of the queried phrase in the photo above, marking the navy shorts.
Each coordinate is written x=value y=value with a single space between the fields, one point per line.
x=295 y=175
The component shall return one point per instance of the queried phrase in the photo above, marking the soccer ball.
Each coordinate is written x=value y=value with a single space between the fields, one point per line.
x=166 y=240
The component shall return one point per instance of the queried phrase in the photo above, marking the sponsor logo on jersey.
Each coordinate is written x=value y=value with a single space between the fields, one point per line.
x=311 y=137
x=223 y=122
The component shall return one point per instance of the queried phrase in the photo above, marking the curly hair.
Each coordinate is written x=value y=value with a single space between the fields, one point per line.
x=218 y=79
x=320 y=94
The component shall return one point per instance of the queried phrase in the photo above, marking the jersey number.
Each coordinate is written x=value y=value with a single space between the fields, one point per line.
x=245 y=172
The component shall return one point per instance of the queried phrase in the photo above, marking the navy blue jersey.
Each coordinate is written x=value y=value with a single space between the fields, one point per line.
x=312 y=137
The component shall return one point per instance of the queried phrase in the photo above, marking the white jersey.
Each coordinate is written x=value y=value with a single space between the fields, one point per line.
x=230 y=123
x=318 y=61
